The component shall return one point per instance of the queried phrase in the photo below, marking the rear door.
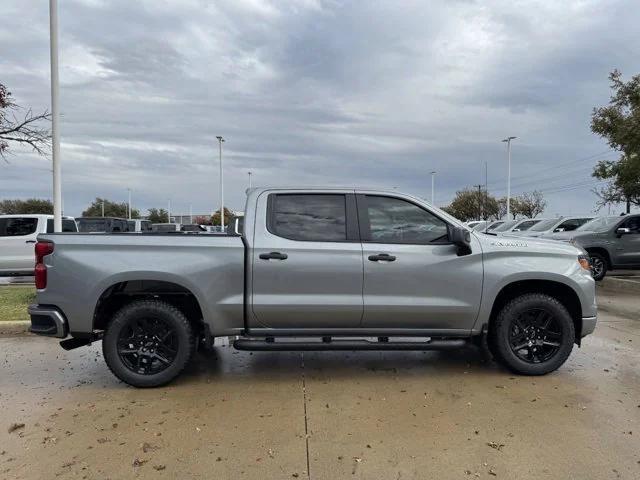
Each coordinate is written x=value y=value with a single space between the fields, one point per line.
x=413 y=277
x=17 y=239
x=307 y=261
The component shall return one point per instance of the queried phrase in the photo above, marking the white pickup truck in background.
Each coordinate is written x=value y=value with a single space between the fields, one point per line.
x=17 y=239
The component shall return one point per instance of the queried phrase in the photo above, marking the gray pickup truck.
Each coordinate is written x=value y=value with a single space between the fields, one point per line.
x=314 y=269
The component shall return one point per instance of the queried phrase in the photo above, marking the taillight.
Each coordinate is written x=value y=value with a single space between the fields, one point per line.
x=42 y=249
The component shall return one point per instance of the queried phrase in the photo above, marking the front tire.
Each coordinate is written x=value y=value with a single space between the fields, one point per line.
x=148 y=343
x=533 y=334
x=598 y=266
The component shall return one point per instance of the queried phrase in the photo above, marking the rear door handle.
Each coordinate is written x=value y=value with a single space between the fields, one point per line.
x=29 y=241
x=274 y=256
x=382 y=256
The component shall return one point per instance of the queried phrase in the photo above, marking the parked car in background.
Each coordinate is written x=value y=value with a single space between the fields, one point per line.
x=165 y=227
x=517 y=227
x=480 y=226
x=102 y=224
x=17 y=239
x=614 y=246
x=545 y=228
x=315 y=269
x=139 y=225
x=593 y=225
x=472 y=224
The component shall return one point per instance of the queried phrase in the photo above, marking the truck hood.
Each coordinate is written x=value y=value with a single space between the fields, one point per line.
x=491 y=243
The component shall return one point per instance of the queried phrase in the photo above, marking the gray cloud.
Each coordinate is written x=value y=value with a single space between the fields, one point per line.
x=312 y=92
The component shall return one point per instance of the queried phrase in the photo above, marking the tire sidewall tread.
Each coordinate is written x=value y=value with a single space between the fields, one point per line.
x=501 y=334
x=152 y=307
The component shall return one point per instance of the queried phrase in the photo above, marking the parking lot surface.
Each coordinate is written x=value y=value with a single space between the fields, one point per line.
x=399 y=415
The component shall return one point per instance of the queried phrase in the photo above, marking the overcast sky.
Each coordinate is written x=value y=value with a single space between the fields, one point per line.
x=316 y=92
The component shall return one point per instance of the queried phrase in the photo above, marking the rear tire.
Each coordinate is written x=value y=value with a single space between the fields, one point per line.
x=598 y=266
x=533 y=334
x=148 y=343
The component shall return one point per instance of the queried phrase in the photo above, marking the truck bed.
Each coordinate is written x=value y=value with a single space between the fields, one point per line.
x=84 y=266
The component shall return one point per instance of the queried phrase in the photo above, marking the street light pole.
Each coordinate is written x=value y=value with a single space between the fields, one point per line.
x=508 y=142
x=55 y=116
x=129 y=204
x=433 y=188
x=103 y=208
x=169 y=211
x=220 y=140
x=249 y=172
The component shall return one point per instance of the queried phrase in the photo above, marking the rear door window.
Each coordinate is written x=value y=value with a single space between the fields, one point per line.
x=17 y=226
x=308 y=217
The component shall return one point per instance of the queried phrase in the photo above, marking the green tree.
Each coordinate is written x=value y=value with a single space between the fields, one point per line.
x=471 y=204
x=529 y=204
x=111 y=209
x=215 y=218
x=30 y=205
x=619 y=123
x=158 y=215
x=20 y=126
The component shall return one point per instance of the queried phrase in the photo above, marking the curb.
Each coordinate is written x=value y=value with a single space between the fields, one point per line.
x=15 y=328
x=616 y=285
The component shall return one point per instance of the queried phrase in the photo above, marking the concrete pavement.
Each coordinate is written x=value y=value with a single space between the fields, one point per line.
x=397 y=415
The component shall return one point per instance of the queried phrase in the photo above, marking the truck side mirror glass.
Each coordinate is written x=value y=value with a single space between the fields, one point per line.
x=622 y=231
x=461 y=238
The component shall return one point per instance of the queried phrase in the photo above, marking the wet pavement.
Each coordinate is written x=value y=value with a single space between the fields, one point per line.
x=367 y=415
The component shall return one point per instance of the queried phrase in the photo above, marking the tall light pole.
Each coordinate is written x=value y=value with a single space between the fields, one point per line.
x=55 y=116
x=129 y=204
x=169 y=211
x=220 y=140
x=249 y=172
x=433 y=188
x=508 y=142
x=191 y=214
x=103 y=208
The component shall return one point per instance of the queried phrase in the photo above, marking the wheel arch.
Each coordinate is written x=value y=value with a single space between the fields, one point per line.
x=124 y=292
x=558 y=290
x=602 y=251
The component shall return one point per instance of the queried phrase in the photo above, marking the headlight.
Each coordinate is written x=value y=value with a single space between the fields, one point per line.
x=583 y=260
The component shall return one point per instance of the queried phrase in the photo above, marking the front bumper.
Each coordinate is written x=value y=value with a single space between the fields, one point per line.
x=588 y=325
x=48 y=321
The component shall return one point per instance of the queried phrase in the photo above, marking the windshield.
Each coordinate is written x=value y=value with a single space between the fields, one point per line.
x=544 y=225
x=598 y=224
x=494 y=225
x=479 y=227
x=508 y=225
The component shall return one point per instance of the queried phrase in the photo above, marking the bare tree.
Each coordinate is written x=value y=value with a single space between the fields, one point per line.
x=22 y=126
x=529 y=204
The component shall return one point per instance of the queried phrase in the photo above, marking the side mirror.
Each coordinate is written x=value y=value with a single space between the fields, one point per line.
x=622 y=231
x=461 y=238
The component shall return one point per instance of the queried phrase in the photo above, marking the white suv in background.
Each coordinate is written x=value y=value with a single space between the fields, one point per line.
x=17 y=239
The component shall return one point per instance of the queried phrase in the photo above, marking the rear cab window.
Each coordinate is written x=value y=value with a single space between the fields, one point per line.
x=308 y=217
x=67 y=225
x=18 y=226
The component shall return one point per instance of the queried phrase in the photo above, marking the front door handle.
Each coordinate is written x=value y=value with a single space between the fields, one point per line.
x=29 y=241
x=385 y=257
x=274 y=256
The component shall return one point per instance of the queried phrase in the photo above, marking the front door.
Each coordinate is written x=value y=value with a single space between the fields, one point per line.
x=307 y=262
x=628 y=245
x=413 y=277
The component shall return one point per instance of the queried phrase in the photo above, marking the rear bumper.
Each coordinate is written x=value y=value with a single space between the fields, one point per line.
x=588 y=325
x=48 y=321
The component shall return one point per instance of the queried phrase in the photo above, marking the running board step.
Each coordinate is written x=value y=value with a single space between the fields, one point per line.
x=269 y=344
